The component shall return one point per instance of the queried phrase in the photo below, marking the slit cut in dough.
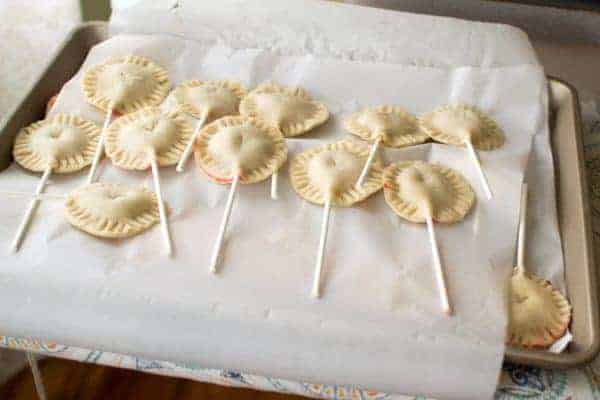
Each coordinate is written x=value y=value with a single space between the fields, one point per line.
x=396 y=127
x=217 y=98
x=133 y=139
x=246 y=145
x=128 y=82
x=455 y=124
x=111 y=210
x=64 y=142
x=289 y=109
x=539 y=313
x=414 y=188
x=332 y=170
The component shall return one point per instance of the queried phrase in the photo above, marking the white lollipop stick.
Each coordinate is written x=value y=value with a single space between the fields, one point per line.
x=316 y=289
x=227 y=213
x=37 y=376
x=482 y=176
x=190 y=145
x=99 y=146
x=370 y=158
x=274 y=185
x=440 y=275
x=522 y=229
x=30 y=210
x=161 y=206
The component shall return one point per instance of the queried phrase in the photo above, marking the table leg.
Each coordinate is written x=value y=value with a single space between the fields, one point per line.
x=37 y=376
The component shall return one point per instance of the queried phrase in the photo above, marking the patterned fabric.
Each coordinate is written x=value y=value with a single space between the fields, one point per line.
x=516 y=382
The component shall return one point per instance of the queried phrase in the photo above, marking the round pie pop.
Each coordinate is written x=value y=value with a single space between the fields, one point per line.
x=462 y=125
x=539 y=313
x=60 y=144
x=388 y=125
x=289 y=109
x=112 y=211
x=148 y=138
x=326 y=175
x=422 y=192
x=234 y=150
x=205 y=102
x=124 y=85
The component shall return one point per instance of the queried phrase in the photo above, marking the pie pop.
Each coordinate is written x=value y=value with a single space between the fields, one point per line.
x=234 y=150
x=462 y=125
x=326 y=175
x=423 y=193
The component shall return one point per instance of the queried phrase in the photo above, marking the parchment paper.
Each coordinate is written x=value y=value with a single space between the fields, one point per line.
x=378 y=325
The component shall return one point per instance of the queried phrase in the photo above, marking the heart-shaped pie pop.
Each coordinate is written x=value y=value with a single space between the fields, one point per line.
x=332 y=170
x=64 y=142
x=133 y=139
x=125 y=84
x=415 y=188
x=456 y=124
x=291 y=110
x=396 y=127
x=112 y=211
x=239 y=146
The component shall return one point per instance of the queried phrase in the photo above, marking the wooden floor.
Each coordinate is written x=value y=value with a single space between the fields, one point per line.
x=69 y=380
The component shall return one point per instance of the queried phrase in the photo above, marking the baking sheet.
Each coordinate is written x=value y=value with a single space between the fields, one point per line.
x=377 y=321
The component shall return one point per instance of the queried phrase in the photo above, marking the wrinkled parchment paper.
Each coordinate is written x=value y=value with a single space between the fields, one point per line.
x=378 y=324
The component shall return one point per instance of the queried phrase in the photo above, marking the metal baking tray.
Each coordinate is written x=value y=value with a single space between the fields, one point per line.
x=573 y=207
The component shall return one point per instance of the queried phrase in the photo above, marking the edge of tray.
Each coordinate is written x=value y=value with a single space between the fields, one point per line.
x=585 y=354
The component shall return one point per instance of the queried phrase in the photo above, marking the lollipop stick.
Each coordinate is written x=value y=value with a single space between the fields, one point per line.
x=228 y=207
x=522 y=229
x=190 y=145
x=370 y=158
x=274 y=185
x=37 y=376
x=482 y=176
x=316 y=289
x=161 y=206
x=99 y=147
x=30 y=210
x=439 y=268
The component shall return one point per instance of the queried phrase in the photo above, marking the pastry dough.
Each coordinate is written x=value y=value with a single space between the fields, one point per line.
x=130 y=82
x=112 y=211
x=289 y=109
x=217 y=98
x=249 y=145
x=539 y=313
x=413 y=187
x=332 y=170
x=397 y=127
x=453 y=124
x=134 y=138
x=64 y=142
